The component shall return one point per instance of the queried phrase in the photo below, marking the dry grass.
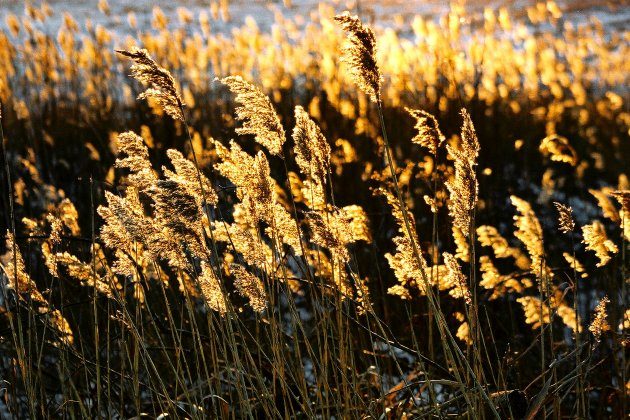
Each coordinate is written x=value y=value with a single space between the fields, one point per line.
x=315 y=224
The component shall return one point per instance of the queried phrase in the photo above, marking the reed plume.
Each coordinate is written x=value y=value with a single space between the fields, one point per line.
x=339 y=228
x=187 y=176
x=559 y=149
x=18 y=280
x=245 y=239
x=605 y=203
x=463 y=187
x=575 y=264
x=258 y=193
x=359 y=53
x=463 y=331
x=529 y=231
x=21 y=283
x=250 y=287
x=211 y=289
x=597 y=241
x=428 y=130
x=312 y=151
x=566 y=224
x=536 y=311
x=257 y=114
x=176 y=207
x=133 y=155
x=162 y=84
x=85 y=274
x=490 y=236
x=599 y=324
x=456 y=277
x=499 y=284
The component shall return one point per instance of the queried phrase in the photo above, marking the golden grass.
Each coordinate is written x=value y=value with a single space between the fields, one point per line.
x=312 y=267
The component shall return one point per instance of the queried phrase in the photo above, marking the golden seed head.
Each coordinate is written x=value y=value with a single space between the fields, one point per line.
x=597 y=241
x=566 y=224
x=160 y=81
x=257 y=114
x=559 y=149
x=456 y=278
x=250 y=287
x=463 y=186
x=529 y=231
x=312 y=151
x=429 y=134
x=599 y=323
x=211 y=289
x=359 y=53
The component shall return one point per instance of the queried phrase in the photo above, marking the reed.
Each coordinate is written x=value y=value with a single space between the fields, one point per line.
x=324 y=231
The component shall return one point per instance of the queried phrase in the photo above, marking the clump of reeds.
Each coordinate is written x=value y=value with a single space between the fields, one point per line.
x=231 y=283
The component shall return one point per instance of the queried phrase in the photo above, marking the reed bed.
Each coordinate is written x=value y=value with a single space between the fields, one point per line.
x=330 y=219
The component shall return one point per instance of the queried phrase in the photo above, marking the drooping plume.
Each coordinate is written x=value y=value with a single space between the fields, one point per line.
x=249 y=286
x=211 y=290
x=605 y=203
x=429 y=134
x=529 y=231
x=257 y=114
x=457 y=278
x=187 y=176
x=559 y=149
x=18 y=279
x=597 y=241
x=359 y=53
x=258 y=193
x=162 y=85
x=492 y=279
x=134 y=156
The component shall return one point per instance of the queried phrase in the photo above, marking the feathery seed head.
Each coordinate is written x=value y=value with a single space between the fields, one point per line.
x=176 y=203
x=249 y=286
x=529 y=231
x=17 y=278
x=597 y=241
x=559 y=149
x=186 y=175
x=456 y=278
x=211 y=289
x=470 y=143
x=359 y=53
x=257 y=114
x=429 y=133
x=599 y=323
x=162 y=84
x=312 y=151
x=575 y=264
x=136 y=160
x=605 y=203
x=566 y=224
x=536 y=311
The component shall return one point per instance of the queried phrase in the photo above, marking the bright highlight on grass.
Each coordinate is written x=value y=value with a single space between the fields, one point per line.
x=326 y=218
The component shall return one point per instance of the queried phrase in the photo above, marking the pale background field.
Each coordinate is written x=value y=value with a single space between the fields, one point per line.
x=385 y=13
